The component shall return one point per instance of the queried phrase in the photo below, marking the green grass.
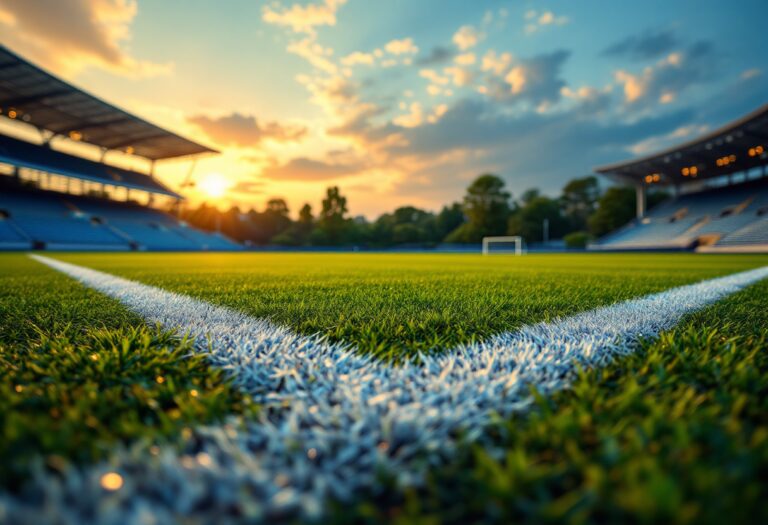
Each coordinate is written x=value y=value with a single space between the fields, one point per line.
x=675 y=433
x=396 y=304
x=79 y=374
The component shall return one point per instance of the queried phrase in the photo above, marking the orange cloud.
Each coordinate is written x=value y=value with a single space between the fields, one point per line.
x=70 y=36
x=306 y=169
x=245 y=131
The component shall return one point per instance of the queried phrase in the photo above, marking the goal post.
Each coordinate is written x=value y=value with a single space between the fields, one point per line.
x=506 y=239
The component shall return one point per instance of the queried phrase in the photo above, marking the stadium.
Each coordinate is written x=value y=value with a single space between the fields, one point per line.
x=720 y=202
x=168 y=355
x=57 y=201
x=53 y=200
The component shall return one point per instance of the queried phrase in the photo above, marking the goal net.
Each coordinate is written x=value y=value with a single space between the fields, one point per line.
x=511 y=244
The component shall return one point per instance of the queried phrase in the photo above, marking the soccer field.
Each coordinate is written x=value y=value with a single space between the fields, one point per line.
x=350 y=387
x=396 y=305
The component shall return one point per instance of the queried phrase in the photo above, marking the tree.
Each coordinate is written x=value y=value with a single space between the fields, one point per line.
x=276 y=218
x=331 y=221
x=305 y=215
x=297 y=234
x=614 y=209
x=406 y=225
x=230 y=223
x=578 y=239
x=204 y=217
x=263 y=226
x=528 y=221
x=528 y=195
x=486 y=206
x=449 y=218
x=579 y=200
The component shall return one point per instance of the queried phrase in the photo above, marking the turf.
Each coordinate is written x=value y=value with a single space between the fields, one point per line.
x=394 y=305
x=675 y=433
x=79 y=374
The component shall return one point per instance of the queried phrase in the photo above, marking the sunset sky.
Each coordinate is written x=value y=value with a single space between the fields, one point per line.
x=404 y=101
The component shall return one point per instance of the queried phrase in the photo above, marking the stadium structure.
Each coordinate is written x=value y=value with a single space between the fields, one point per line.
x=719 y=187
x=51 y=199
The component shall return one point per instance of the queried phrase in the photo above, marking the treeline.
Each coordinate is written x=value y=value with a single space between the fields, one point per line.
x=580 y=213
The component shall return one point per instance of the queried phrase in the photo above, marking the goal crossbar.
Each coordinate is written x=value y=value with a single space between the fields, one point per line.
x=487 y=241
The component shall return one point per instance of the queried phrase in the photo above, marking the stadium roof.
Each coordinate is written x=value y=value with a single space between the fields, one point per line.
x=27 y=155
x=35 y=96
x=738 y=146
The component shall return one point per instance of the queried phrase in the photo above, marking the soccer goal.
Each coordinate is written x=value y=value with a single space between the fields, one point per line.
x=502 y=243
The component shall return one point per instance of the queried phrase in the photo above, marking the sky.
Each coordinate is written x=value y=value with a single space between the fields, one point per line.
x=403 y=102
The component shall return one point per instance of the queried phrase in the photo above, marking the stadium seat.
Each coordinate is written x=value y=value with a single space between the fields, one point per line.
x=46 y=219
x=754 y=233
x=724 y=216
x=11 y=236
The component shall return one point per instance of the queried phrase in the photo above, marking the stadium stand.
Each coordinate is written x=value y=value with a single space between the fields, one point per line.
x=51 y=220
x=707 y=218
x=755 y=233
x=11 y=236
x=721 y=216
x=36 y=215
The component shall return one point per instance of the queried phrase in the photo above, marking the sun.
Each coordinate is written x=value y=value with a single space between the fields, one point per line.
x=214 y=185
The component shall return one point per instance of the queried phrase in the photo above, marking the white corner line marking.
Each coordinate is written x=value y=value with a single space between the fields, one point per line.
x=333 y=417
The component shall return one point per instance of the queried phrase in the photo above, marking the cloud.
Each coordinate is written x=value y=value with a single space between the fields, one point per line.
x=358 y=126
x=434 y=77
x=415 y=116
x=595 y=98
x=465 y=59
x=303 y=18
x=665 y=80
x=467 y=37
x=358 y=57
x=461 y=76
x=314 y=53
x=519 y=118
x=496 y=63
x=249 y=187
x=676 y=136
x=473 y=137
x=537 y=21
x=306 y=169
x=536 y=80
x=336 y=95
x=438 y=55
x=70 y=36
x=751 y=73
x=244 y=130
x=403 y=46
x=648 y=45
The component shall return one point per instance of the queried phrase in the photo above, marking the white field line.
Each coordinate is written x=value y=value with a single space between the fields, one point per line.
x=333 y=418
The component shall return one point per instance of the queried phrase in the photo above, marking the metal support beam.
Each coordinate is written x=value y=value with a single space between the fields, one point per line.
x=640 y=200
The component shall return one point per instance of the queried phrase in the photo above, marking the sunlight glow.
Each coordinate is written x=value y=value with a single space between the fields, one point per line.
x=214 y=185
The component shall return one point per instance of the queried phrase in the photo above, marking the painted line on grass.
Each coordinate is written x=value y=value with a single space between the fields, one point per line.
x=334 y=418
